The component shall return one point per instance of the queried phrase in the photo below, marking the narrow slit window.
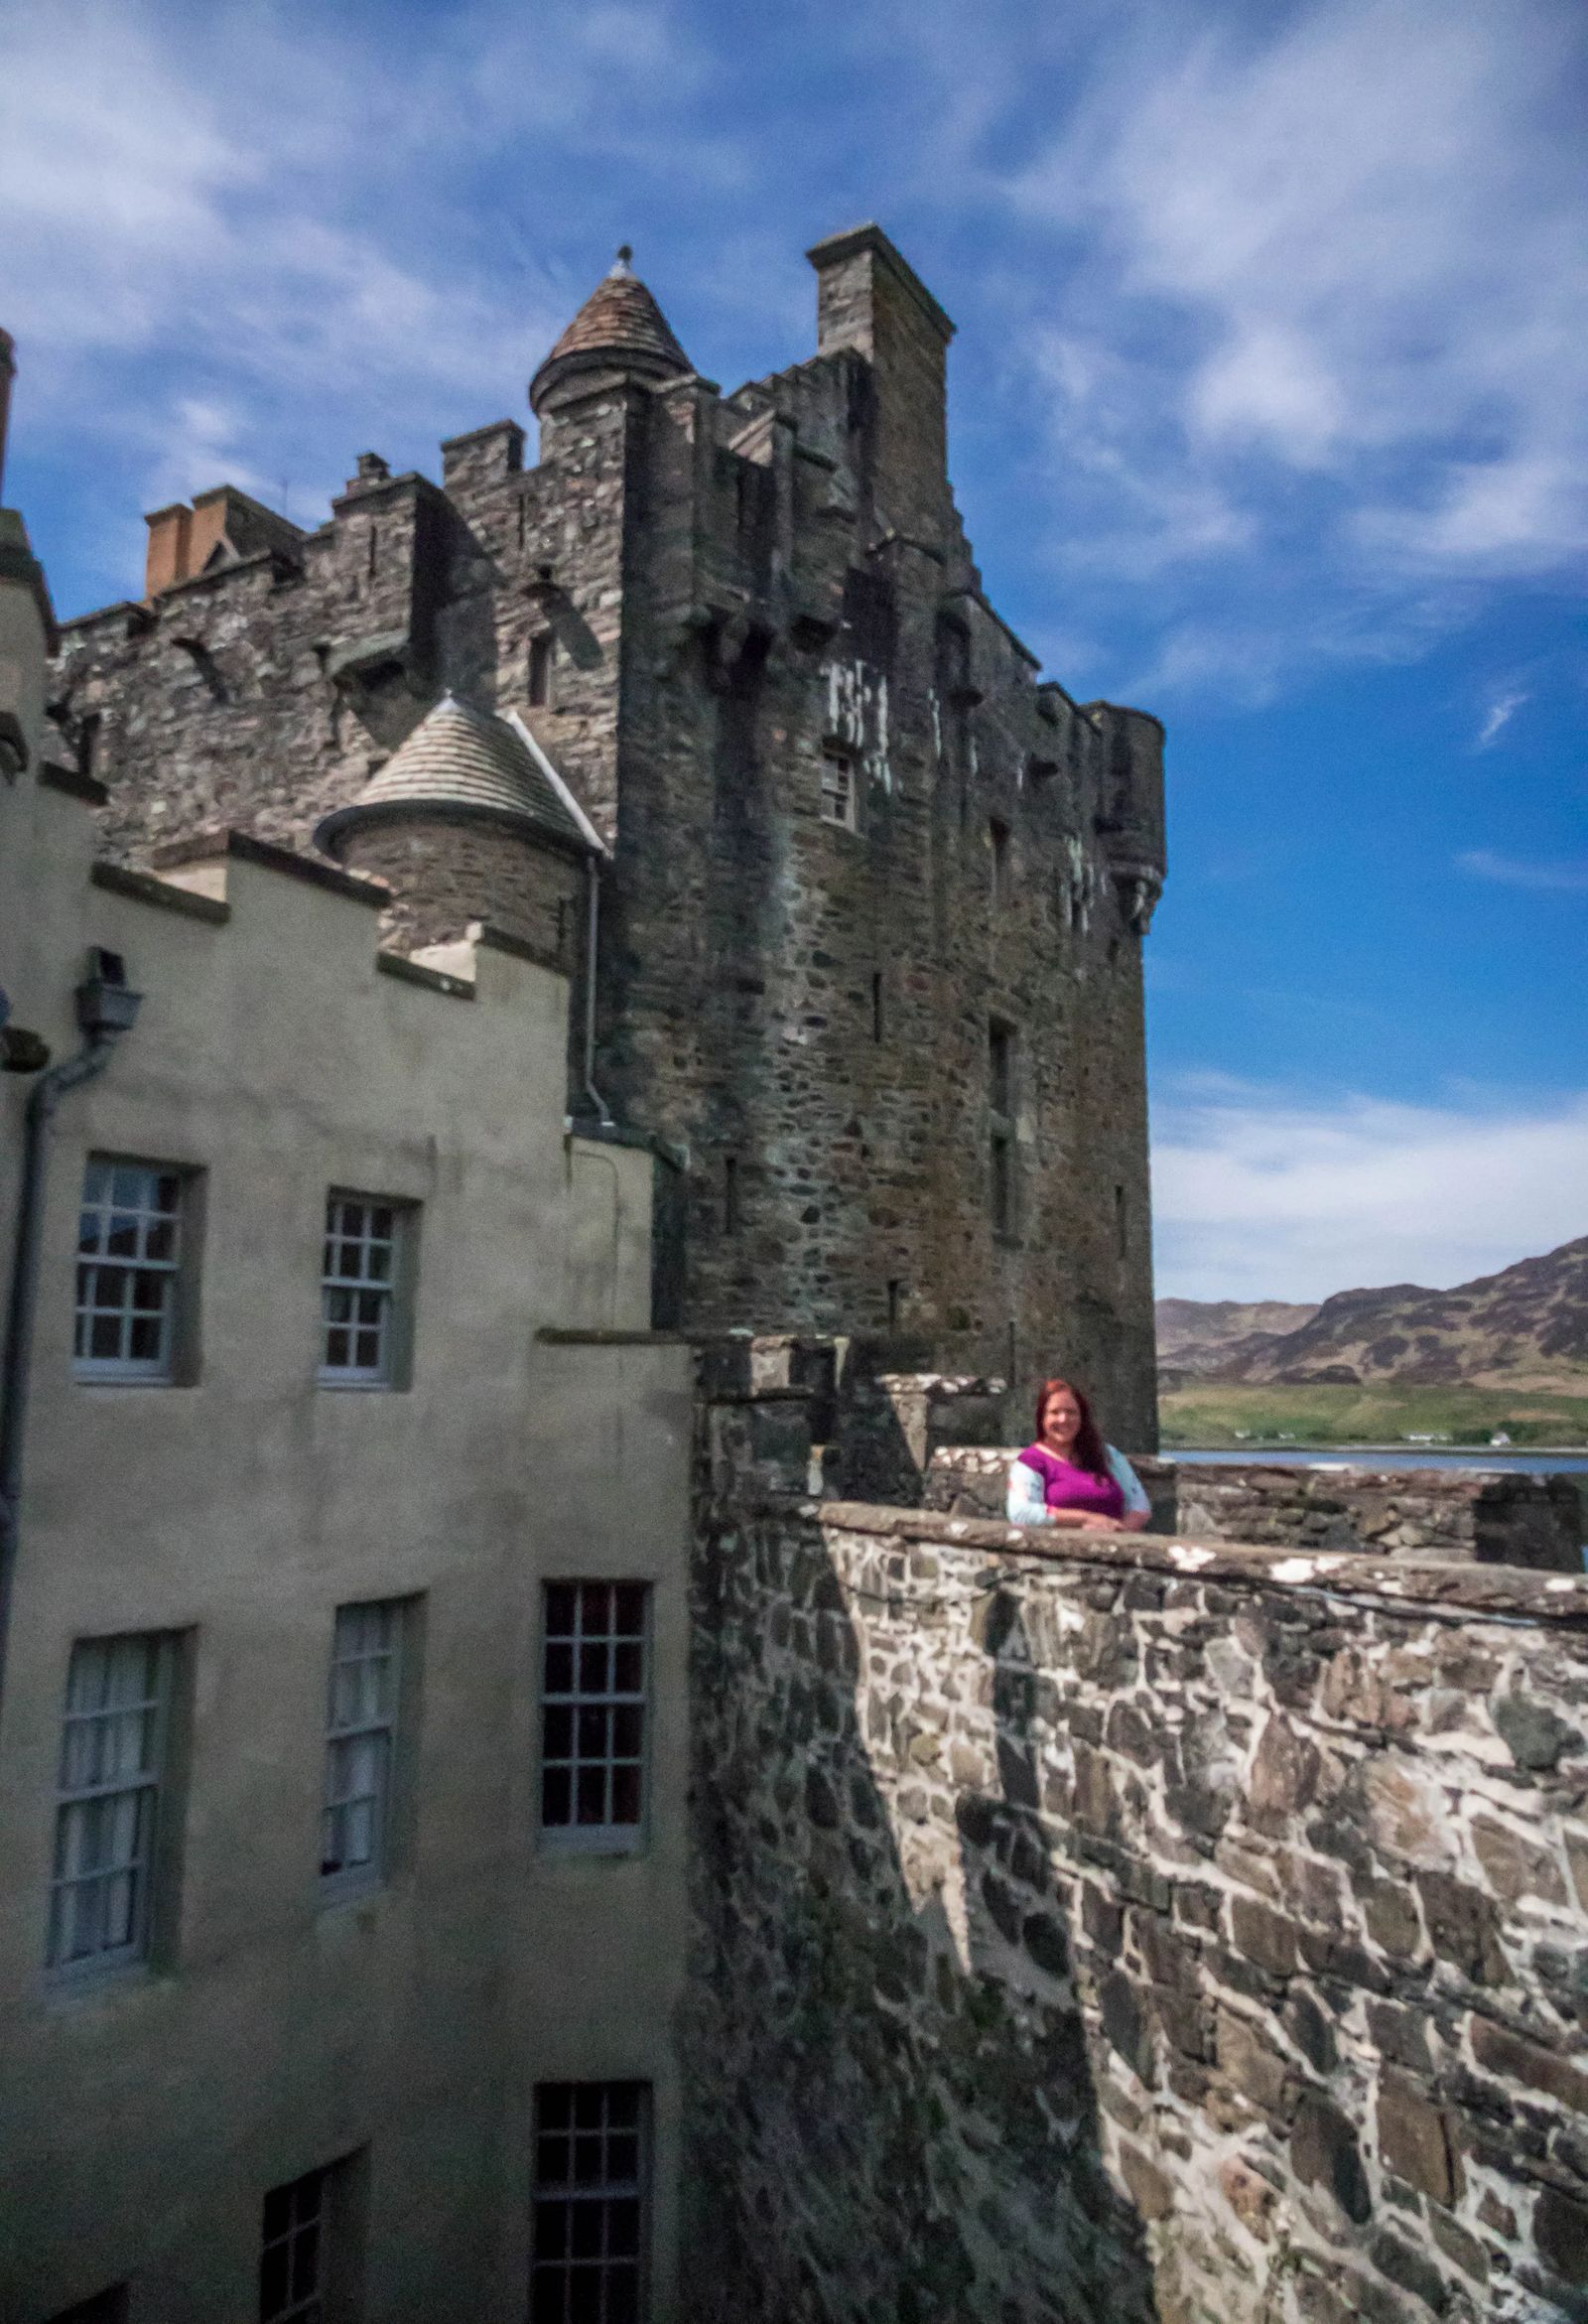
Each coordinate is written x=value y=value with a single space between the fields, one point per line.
x=594 y=1692
x=88 y=729
x=130 y=1256
x=540 y=670
x=590 y=2252
x=878 y=1008
x=730 y=1196
x=1122 y=1221
x=1002 y=1195
x=837 y=790
x=113 y=1770
x=998 y=861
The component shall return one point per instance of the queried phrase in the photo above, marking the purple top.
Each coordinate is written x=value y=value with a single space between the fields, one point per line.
x=1064 y=1486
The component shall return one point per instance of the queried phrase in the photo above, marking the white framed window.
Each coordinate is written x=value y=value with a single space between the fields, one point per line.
x=129 y=1262
x=839 y=797
x=310 y=2245
x=114 y=1749
x=594 y=1714
x=589 y=2260
x=362 y=1280
x=362 y=1737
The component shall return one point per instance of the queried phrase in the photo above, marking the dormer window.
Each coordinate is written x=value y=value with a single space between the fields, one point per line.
x=839 y=789
x=542 y=647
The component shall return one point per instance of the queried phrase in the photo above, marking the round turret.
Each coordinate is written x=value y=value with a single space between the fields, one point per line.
x=468 y=820
x=619 y=327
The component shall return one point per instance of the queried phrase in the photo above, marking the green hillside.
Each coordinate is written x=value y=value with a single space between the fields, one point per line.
x=1215 y=1412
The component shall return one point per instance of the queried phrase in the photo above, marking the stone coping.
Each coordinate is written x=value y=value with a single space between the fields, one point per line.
x=1264 y=1468
x=1435 y=1587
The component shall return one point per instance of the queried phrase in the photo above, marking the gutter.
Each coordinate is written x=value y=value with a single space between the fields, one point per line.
x=106 y=1009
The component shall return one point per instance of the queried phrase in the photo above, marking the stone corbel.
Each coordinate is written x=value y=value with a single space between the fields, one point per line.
x=1139 y=887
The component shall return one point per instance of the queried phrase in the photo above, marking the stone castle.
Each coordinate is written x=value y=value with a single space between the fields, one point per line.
x=719 y=674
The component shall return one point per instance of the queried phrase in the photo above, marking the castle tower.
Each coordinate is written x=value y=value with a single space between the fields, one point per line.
x=874 y=893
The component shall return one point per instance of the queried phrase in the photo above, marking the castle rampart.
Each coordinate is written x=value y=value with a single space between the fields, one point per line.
x=1164 y=1931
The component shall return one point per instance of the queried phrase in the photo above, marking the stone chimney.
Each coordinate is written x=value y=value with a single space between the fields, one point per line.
x=871 y=298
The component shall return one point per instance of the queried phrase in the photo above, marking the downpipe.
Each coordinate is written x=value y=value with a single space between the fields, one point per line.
x=106 y=1009
x=593 y=926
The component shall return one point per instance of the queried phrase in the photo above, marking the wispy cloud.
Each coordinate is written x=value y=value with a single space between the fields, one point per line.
x=1343 y=334
x=1263 y=1193
x=1563 y=877
x=1503 y=707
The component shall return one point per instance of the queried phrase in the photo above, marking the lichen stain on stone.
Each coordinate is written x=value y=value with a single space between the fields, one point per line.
x=857 y=716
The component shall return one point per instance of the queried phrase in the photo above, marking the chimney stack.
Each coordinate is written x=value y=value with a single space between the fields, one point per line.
x=869 y=298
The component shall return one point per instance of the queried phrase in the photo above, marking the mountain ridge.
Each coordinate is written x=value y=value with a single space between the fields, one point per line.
x=1526 y=1326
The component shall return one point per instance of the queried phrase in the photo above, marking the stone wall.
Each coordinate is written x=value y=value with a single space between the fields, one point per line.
x=1486 y=1516
x=1155 y=1933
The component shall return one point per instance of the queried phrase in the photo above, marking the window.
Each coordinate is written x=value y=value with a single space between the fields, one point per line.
x=88 y=729
x=729 y=1195
x=310 y=2247
x=1121 y=1222
x=878 y=1007
x=542 y=646
x=106 y=2307
x=593 y=1714
x=129 y=1261
x=587 y=2264
x=998 y=846
x=365 y=1253
x=361 y=1736
x=113 y=1767
x=838 y=788
x=1000 y=1127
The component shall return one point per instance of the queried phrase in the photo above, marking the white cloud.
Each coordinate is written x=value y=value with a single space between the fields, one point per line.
x=1262 y=1194
x=1503 y=707
x=1334 y=286
x=1567 y=877
x=250 y=239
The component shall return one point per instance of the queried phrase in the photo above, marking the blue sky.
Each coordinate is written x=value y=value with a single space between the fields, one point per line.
x=1267 y=413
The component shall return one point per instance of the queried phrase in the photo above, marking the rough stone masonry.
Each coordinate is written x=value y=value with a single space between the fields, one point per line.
x=1127 y=1931
x=871 y=923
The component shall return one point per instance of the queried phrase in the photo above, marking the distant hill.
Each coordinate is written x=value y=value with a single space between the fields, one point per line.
x=1195 y=1336
x=1526 y=1327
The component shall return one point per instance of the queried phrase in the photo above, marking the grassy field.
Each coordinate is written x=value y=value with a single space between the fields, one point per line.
x=1219 y=1414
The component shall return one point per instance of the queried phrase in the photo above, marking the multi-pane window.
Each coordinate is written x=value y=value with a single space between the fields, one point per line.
x=593 y=1714
x=838 y=788
x=360 y=1290
x=106 y=2307
x=291 y=2275
x=129 y=1252
x=361 y=1743
x=113 y=1752
x=589 y=2254
x=1000 y=1127
x=310 y=2247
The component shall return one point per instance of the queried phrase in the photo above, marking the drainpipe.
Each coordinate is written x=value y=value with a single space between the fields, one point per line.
x=591 y=946
x=106 y=1009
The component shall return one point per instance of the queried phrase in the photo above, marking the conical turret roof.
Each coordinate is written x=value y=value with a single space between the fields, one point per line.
x=619 y=327
x=460 y=760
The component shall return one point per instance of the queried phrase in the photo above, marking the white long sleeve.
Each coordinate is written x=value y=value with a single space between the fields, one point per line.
x=1025 y=1503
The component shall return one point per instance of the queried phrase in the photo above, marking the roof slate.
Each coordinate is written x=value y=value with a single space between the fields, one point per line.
x=621 y=318
x=460 y=757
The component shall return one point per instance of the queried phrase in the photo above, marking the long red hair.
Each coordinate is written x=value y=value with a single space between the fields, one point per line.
x=1088 y=1451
